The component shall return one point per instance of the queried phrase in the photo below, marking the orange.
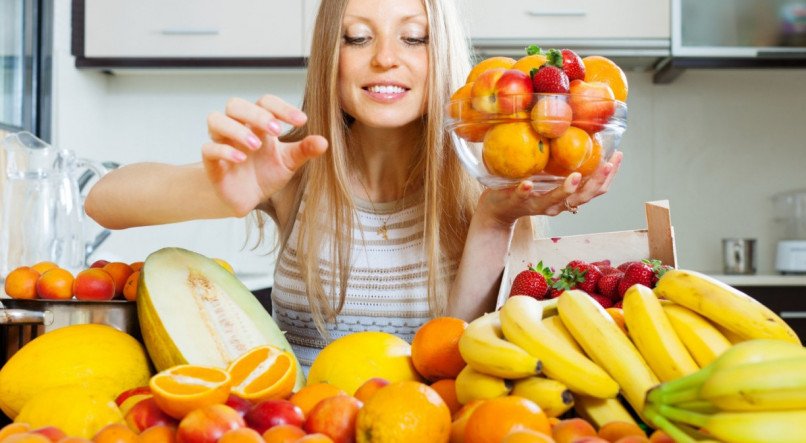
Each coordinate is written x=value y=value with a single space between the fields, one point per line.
x=315 y=438
x=115 y=433
x=55 y=284
x=435 y=348
x=446 y=388
x=136 y=266
x=369 y=388
x=497 y=417
x=406 y=411
x=14 y=428
x=309 y=396
x=71 y=439
x=489 y=63
x=527 y=63
x=589 y=166
x=26 y=437
x=617 y=429
x=183 y=388
x=241 y=435
x=571 y=149
x=263 y=373
x=602 y=69
x=130 y=288
x=283 y=434
x=527 y=436
x=471 y=126
x=515 y=150
x=21 y=283
x=44 y=266
x=120 y=272
x=460 y=421
x=158 y=434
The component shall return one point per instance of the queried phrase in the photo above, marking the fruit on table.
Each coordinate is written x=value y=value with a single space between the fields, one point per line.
x=568 y=430
x=435 y=348
x=553 y=397
x=515 y=150
x=184 y=388
x=114 y=433
x=119 y=272
x=702 y=339
x=130 y=288
x=484 y=349
x=93 y=355
x=241 y=435
x=472 y=385
x=334 y=417
x=78 y=410
x=21 y=283
x=532 y=282
x=494 y=419
x=55 y=284
x=220 y=321
x=307 y=397
x=208 y=424
x=139 y=390
x=600 y=411
x=146 y=414
x=283 y=434
x=263 y=373
x=94 y=284
x=349 y=361
x=366 y=390
x=239 y=404
x=405 y=411
x=270 y=413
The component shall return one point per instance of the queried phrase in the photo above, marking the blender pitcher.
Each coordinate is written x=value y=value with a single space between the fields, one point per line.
x=42 y=209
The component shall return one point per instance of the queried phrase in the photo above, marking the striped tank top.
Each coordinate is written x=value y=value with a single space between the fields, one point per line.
x=387 y=288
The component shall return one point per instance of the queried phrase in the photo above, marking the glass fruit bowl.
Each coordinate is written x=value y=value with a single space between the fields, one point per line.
x=505 y=139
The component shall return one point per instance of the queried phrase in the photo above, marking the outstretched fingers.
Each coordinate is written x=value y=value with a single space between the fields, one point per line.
x=297 y=153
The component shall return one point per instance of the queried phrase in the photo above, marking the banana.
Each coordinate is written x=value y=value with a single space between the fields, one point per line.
x=600 y=411
x=522 y=325
x=732 y=337
x=603 y=341
x=723 y=305
x=553 y=397
x=654 y=335
x=766 y=386
x=744 y=427
x=473 y=385
x=555 y=325
x=702 y=339
x=483 y=347
x=549 y=307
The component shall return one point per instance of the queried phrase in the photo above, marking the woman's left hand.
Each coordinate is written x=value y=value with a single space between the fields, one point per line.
x=507 y=205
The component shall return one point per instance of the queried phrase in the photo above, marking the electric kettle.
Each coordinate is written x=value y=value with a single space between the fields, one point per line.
x=42 y=206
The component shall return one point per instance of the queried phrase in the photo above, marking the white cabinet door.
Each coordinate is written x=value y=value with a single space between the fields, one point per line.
x=193 y=28
x=311 y=8
x=569 y=19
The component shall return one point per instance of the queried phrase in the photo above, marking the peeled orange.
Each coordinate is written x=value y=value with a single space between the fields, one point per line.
x=263 y=373
x=183 y=388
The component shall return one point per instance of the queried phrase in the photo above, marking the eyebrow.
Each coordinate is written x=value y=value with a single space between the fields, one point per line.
x=404 y=19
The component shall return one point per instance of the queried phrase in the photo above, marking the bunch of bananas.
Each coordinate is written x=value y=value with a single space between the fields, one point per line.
x=755 y=391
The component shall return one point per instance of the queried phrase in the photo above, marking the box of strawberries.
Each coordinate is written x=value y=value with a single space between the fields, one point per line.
x=602 y=264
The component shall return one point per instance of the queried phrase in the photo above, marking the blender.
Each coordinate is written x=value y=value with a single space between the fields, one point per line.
x=790 y=213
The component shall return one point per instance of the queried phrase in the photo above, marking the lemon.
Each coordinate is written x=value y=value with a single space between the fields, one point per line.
x=77 y=410
x=93 y=355
x=353 y=359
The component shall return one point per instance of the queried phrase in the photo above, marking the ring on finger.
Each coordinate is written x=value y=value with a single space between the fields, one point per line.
x=569 y=207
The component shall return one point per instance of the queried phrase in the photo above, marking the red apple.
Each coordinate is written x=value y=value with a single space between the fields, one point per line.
x=334 y=417
x=592 y=104
x=94 y=284
x=129 y=392
x=483 y=92
x=239 y=404
x=269 y=413
x=146 y=414
x=208 y=424
x=99 y=263
x=513 y=92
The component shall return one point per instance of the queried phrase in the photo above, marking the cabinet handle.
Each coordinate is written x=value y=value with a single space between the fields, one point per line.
x=558 y=13
x=189 y=31
x=793 y=314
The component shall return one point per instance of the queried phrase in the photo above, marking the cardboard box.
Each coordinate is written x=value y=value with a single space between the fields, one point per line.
x=656 y=241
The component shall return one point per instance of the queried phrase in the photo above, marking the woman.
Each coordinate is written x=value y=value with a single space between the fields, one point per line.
x=380 y=227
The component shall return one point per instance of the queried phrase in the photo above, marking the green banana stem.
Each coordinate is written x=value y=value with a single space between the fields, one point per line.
x=682 y=396
x=701 y=406
x=682 y=415
x=690 y=381
x=677 y=434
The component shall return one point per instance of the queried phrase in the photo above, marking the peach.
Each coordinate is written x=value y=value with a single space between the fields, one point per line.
x=369 y=388
x=315 y=438
x=94 y=284
x=99 y=263
x=14 y=428
x=136 y=266
x=129 y=403
x=283 y=434
x=44 y=266
x=239 y=404
x=270 y=413
x=592 y=104
x=120 y=272
x=551 y=116
x=334 y=417
x=115 y=433
x=513 y=92
x=591 y=439
x=145 y=414
x=208 y=424
x=483 y=92
x=55 y=284
x=571 y=429
x=26 y=437
x=618 y=429
x=130 y=288
x=527 y=436
x=71 y=439
x=660 y=437
x=140 y=390
x=21 y=282
x=633 y=439
x=158 y=434
x=241 y=435
x=460 y=421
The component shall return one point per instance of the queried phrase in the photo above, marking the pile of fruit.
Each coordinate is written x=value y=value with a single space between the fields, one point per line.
x=541 y=114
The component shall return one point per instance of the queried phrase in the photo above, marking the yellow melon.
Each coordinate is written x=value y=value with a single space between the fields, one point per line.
x=353 y=359
x=79 y=411
x=96 y=356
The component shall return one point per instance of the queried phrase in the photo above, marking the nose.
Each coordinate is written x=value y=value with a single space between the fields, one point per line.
x=385 y=56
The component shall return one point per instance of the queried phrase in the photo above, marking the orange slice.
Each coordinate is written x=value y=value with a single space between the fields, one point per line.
x=181 y=389
x=263 y=373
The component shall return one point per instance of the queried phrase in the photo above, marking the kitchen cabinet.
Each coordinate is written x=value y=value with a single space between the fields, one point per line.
x=789 y=302
x=206 y=33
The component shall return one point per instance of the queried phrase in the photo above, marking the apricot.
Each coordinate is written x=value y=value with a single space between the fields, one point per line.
x=571 y=429
x=94 y=284
x=527 y=436
x=315 y=438
x=13 y=428
x=158 y=434
x=460 y=421
x=44 y=266
x=55 y=284
x=616 y=430
x=21 y=283
x=130 y=288
x=283 y=434
x=120 y=272
x=334 y=417
x=99 y=263
x=660 y=437
x=369 y=388
x=71 y=439
x=241 y=435
x=208 y=424
x=136 y=266
x=145 y=414
x=115 y=433
x=633 y=439
x=26 y=437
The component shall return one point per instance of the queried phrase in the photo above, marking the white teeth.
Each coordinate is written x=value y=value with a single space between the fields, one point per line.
x=383 y=89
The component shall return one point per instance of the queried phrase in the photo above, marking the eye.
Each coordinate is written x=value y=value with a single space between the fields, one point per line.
x=355 y=41
x=415 y=41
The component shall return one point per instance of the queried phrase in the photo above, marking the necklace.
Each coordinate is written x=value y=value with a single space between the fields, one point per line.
x=383 y=229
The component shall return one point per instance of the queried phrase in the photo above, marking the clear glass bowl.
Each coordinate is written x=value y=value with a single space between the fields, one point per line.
x=503 y=140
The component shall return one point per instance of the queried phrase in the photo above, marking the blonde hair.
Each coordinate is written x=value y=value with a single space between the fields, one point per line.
x=450 y=194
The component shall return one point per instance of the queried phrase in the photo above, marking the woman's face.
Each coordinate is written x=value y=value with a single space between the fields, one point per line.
x=383 y=63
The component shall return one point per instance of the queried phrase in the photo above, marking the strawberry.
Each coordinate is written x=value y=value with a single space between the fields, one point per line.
x=608 y=284
x=532 y=282
x=573 y=66
x=550 y=77
x=590 y=274
x=606 y=302
x=568 y=279
x=602 y=264
x=637 y=273
x=619 y=304
x=623 y=267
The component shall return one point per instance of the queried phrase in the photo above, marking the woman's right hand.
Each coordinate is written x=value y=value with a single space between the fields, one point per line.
x=245 y=161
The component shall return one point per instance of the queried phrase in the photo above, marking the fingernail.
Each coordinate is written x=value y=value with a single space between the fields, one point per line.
x=608 y=167
x=575 y=181
x=238 y=156
x=299 y=116
x=253 y=141
x=275 y=127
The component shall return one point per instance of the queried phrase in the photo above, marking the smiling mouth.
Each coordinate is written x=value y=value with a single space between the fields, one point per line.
x=386 y=89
